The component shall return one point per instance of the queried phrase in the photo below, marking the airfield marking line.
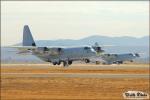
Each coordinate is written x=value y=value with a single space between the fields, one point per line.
x=74 y=73
x=88 y=67
x=79 y=75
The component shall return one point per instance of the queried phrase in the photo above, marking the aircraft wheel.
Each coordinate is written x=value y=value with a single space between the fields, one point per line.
x=120 y=62
x=65 y=64
x=97 y=62
x=131 y=60
x=59 y=63
x=54 y=63
x=69 y=62
x=87 y=60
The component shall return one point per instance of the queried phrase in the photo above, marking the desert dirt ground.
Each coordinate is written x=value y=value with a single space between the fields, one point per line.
x=75 y=68
x=45 y=88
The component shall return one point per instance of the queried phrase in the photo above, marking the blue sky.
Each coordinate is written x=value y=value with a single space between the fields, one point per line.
x=50 y=20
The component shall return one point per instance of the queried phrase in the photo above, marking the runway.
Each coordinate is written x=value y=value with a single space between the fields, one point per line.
x=78 y=81
x=79 y=66
x=74 y=75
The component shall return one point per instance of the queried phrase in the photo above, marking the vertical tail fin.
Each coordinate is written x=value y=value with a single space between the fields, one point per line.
x=27 y=37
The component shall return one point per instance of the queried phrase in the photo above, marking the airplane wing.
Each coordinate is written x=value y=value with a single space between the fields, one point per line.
x=23 y=47
x=41 y=50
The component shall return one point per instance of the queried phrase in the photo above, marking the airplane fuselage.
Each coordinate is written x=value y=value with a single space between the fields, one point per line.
x=59 y=55
x=115 y=58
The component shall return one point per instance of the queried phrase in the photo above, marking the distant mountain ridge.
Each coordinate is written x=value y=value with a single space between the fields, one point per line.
x=102 y=40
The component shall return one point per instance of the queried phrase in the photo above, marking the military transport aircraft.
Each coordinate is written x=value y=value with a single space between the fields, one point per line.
x=56 y=55
x=114 y=58
x=106 y=58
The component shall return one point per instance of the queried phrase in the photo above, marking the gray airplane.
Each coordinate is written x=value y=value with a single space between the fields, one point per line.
x=55 y=55
x=118 y=58
x=112 y=58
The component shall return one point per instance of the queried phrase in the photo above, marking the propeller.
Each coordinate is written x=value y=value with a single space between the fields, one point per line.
x=97 y=48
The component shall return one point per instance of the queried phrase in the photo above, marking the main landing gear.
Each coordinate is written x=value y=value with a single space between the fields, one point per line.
x=56 y=63
x=65 y=63
x=87 y=61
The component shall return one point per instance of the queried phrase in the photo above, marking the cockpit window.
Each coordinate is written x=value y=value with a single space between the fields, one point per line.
x=86 y=48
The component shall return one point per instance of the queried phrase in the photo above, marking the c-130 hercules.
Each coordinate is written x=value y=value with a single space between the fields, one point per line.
x=56 y=55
